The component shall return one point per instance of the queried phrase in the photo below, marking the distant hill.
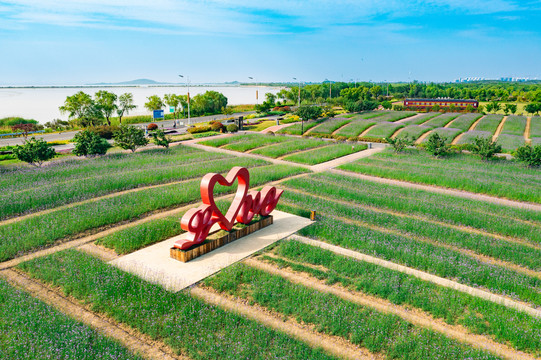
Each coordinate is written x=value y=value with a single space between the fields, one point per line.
x=134 y=82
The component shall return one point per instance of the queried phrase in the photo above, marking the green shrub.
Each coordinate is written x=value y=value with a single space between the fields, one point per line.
x=531 y=155
x=437 y=145
x=485 y=147
x=105 y=131
x=161 y=139
x=307 y=112
x=217 y=126
x=88 y=143
x=129 y=137
x=199 y=129
x=34 y=151
x=399 y=144
x=232 y=128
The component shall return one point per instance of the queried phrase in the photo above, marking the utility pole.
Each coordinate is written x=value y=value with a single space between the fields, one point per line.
x=188 y=84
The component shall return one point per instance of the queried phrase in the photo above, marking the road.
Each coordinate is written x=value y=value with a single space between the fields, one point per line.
x=68 y=135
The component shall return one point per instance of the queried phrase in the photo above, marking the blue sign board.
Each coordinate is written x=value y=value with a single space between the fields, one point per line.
x=157 y=114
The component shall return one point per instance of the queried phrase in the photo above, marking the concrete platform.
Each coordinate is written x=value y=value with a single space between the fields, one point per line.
x=154 y=264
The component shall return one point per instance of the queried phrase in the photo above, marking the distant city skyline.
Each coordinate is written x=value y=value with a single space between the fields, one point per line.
x=52 y=42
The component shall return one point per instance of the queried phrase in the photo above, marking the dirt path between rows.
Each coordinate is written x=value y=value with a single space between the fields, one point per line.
x=463 y=228
x=527 y=130
x=331 y=344
x=442 y=190
x=128 y=337
x=414 y=316
x=472 y=127
x=483 y=294
x=499 y=129
x=423 y=136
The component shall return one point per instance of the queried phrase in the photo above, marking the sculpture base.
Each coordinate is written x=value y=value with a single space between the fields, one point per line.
x=210 y=244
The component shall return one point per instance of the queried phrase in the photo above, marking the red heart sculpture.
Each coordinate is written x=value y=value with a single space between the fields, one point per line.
x=197 y=222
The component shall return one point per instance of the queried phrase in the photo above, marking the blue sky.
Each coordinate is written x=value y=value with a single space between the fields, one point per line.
x=86 y=41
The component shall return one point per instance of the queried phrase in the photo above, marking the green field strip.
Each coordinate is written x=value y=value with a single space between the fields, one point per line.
x=479 y=316
x=188 y=325
x=421 y=118
x=523 y=255
x=440 y=121
x=535 y=127
x=536 y=141
x=461 y=171
x=379 y=332
x=329 y=126
x=324 y=154
x=474 y=214
x=489 y=123
x=464 y=122
x=442 y=261
x=43 y=230
x=392 y=116
x=469 y=136
x=355 y=128
x=448 y=133
x=278 y=150
x=53 y=195
x=510 y=142
x=296 y=129
x=73 y=170
x=413 y=131
x=383 y=130
x=256 y=142
x=31 y=329
x=514 y=125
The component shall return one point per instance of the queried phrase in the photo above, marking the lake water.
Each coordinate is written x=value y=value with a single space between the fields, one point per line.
x=42 y=104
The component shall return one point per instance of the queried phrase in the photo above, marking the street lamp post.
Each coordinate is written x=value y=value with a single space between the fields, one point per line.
x=302 y=120
x=188 y=84
x=256 y=90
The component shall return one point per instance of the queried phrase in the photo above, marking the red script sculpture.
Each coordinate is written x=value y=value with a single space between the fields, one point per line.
x=197 y=222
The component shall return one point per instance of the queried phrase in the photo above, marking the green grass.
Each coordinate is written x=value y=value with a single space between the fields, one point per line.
x=514 y=125
x=265 y=124
x=329 y=126
x=417 y=228
x=296 y=129
x=469 y=136
x=465 y=121
x=407 y=251
x=378 y=332
x=355 y=128
x=493 y=218
x=326 y=153
x=448 y=133
x=420 y=119
x=441 y=120
x=259 y=141
x=413 y=131
x=479 y=316
x=510 y=143
x=43 y=230
x=535 y=127
x=31 y=329
x=49 y=193
x=489 y=123
x=278 y=150
x=500 y=178
x=186 y=324
x=383 y=130
x=392 y=116
x=136 y=237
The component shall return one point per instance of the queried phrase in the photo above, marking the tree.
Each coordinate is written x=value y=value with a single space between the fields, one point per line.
x=174 y=101
x=154 y=103
x=88 y=143
x=437 y=145
x=387 y=105
x=496 y=106
x=399 y=144
x=211 y=102
x=161 y=139
x=130 y=137
x=125 y=105
x=268 y=104
x=529 y=155
x=485 y=147
x=77 y=106
x=512 y=108
x=533 y=108
x=306 y=112
x=23 y=128
x=34 y=151
x=489 y=107
x=106 y=102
